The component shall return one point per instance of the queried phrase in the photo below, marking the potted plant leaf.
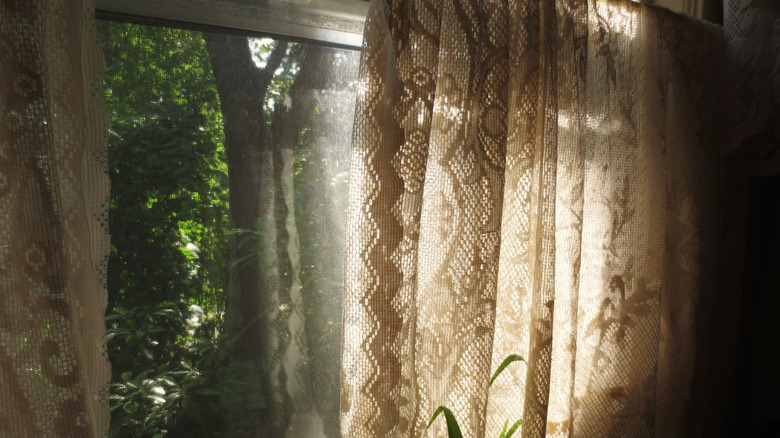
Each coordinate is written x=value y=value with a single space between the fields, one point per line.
x=453 y=429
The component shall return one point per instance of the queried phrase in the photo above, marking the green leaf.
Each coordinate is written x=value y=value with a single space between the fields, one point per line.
x=126 y=376
x=513 y=429
x=509 y=359
x=117 y=421
x=503 y=431
x=156 y=399
x=453 y=430
x=130 y=407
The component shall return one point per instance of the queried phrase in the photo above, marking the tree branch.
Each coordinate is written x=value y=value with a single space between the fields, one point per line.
x=230 y=52
x=273 y=63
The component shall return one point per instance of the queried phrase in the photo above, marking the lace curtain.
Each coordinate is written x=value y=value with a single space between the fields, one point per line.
x=536 y=177
x=53 y=234
x=544 y=178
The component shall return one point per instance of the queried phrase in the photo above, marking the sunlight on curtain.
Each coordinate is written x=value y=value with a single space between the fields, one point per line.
x=541 y=178
x=53 y=230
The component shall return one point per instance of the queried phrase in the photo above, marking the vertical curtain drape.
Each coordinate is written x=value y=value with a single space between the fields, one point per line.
x=53 y=222
x=536 y=177
x=546 y=178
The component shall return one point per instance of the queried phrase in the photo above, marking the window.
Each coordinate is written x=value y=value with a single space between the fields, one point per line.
x=228 y=159
x=332 y=22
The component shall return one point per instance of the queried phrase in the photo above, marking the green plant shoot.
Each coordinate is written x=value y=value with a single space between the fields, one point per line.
x=509 y=359
x=453 y=429
x=512 y=430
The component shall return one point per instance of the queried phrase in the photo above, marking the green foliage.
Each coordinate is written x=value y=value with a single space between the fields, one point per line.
x=168 y=207
x=168 y=220
x=453 y=429
x=285 y=74
x=171 y=395
x=172 y=375
x=133 y=340
x=147 y=403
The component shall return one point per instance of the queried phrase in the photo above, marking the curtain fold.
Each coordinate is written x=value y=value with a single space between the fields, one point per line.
x=53 y=222
x=536 y=177
x=543 y=178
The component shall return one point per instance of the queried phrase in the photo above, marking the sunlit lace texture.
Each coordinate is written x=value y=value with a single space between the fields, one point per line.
x=532 y=177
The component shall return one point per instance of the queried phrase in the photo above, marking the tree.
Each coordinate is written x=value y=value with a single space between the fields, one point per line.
x=265 y=318
x=167 y=219
x=221 y=182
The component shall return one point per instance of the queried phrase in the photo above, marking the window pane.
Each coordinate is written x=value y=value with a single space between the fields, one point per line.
x=228 y=160
x=335 y=22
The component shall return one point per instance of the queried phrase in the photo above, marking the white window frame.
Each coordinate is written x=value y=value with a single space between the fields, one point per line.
x=336 y=23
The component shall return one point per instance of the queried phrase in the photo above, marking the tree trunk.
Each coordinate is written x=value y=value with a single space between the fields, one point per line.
x=265 y=320
x=242 y=88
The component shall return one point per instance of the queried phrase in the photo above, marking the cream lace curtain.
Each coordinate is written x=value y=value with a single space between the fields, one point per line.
x=533 y=177
x=543 y=178
x=53 y=213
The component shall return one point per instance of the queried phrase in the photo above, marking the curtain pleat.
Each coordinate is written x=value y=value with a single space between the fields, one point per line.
x=53 y=222
x=542 y=178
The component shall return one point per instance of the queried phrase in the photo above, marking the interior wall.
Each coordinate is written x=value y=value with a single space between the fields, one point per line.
x=710 y=10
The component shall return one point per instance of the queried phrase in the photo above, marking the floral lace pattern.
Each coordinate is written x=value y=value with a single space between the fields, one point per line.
x=533 y=177
x=53 y=223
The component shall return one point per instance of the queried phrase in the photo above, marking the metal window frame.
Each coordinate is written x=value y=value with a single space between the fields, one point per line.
x=337 y=23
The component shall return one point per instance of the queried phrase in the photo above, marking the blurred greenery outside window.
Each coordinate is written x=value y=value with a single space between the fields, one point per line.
x=228 y=158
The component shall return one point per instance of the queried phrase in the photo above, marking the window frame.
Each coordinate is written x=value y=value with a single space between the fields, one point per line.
x=336 y=23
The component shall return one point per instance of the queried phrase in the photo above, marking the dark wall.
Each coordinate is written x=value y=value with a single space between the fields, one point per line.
x=754 y=386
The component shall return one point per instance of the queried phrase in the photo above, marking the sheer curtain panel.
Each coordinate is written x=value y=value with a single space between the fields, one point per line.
x=53 y=239
x=559 y=179
x=543 y=178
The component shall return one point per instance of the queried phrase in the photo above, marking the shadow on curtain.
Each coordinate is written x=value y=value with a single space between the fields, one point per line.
x=53 y=231
x=547 y=178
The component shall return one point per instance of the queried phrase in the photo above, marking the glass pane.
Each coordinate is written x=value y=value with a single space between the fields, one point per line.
x=327 y=5
x=334 y=22
x=228 y=160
